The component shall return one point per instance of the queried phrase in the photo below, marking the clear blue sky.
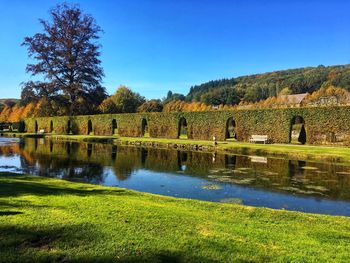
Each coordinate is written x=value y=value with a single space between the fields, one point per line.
x=154 y=46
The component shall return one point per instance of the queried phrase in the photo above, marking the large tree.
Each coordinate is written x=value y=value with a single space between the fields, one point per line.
x=66 y=58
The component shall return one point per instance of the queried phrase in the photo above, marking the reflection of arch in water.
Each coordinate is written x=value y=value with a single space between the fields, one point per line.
x=144 y=154
x=35 y=144
x=89 y=150
x=51 y=146
x=297 y=130
x=230 y=161
x=89 y=128
x=36 y=128
x=51 y=126
x=230 y=129
x=68 y=147
x=182 y=129
x=114 y=127
x=182 y=158
x=114 y=152
x=144 y=128
x=22 y=144
x=295 y=168
x=69 y=127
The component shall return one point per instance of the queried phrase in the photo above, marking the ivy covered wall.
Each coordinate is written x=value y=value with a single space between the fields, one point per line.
x=322 y=124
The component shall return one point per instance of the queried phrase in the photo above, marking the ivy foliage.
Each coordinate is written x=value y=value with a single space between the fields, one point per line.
x=321 y=124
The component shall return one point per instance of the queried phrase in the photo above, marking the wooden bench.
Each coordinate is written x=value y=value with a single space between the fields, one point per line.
x=41 y=131
x=259 y=138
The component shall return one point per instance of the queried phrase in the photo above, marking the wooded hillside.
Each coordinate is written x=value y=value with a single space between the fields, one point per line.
x=261 y=86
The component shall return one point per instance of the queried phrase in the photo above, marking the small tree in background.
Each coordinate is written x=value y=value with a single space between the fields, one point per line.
x=126 y=100
x=151 y=106
x=108 y=106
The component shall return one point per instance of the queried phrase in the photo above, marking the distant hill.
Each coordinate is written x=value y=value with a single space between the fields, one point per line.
x=261 y=86
x=2 y=101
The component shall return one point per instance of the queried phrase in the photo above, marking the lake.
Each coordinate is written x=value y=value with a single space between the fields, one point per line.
x=299 y=185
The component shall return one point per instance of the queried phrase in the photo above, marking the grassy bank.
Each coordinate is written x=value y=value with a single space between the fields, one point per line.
x=83 y=138
x=307 y=152
x=44 y=219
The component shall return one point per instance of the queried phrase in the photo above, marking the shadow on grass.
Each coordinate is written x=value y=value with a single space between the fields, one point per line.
x=33 y=244
x=76 y=243
x=10 y=213
x=12 y=185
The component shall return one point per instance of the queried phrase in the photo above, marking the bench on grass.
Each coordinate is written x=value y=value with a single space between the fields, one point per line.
x=41 y=131
x=259 y=138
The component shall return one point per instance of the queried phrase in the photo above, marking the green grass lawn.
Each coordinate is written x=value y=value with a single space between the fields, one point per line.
x=45 y=219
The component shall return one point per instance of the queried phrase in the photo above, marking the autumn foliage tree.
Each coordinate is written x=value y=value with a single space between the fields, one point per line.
x=340 y=94
x=182 y=106
x=66 y=57
x=151 y=106
x=124 y=100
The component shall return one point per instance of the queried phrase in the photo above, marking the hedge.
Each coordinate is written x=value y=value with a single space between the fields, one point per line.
x=323 y=125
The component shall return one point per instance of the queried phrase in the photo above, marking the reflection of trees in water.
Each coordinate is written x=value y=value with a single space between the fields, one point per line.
x=128 y=159
x=59 y=159
x=295 y=168
x=86 y=161
x=27 y=165
x=70 y=169
x=92 y=173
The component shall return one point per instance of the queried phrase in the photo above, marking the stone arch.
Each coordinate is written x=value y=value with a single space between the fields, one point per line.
x=297 y=130
x=22 y=126
x=51 y=126
x=182 y=132
x=114 y=127
x=89 y=150
x=144 y=128
x=230 y=132
x=89 y=128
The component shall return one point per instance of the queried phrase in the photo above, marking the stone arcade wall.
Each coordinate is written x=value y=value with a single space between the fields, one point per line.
x=323 y=125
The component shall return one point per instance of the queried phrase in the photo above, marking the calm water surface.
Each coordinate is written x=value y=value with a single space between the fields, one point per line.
x=249 y=180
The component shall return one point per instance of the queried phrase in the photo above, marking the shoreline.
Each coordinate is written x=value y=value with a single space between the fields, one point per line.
x=292 y=151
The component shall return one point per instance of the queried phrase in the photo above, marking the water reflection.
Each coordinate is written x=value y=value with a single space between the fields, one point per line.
x=252 y=180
